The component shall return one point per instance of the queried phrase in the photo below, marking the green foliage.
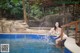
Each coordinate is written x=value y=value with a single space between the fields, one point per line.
x=15 y=2
x=17 y=9
x=4 y=4
x=14 y=7
x=35 y=11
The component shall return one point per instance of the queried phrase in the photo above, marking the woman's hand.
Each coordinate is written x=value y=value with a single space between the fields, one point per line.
x=51 y=31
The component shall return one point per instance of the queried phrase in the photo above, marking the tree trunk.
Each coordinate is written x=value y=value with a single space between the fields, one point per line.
x=24 y=11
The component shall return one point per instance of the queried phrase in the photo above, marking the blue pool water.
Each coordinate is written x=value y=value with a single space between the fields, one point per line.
x=29 y=43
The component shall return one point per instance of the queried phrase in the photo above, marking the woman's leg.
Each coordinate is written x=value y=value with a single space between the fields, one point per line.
x=58 y=42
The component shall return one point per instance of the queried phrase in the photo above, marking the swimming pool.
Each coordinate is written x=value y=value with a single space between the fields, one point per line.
x=29 y=43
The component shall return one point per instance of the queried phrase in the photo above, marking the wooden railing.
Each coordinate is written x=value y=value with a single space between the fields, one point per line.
x=75 y=23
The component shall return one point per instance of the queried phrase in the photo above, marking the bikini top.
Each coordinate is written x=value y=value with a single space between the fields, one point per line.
x=57 y=33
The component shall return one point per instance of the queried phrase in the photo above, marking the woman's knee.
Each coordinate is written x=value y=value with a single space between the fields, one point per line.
x=58 y=40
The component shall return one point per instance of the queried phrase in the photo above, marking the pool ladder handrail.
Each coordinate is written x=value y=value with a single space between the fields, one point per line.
x=68 y=25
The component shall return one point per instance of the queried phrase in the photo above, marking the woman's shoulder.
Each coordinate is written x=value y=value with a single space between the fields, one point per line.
x=60 y=29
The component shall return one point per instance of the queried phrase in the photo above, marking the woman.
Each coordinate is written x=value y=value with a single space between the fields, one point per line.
x=56 y=31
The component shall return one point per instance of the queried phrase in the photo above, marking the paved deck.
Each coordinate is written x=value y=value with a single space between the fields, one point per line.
x=71 y=45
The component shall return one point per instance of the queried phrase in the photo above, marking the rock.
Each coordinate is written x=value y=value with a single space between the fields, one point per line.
x=10 y=26
x=49 y=20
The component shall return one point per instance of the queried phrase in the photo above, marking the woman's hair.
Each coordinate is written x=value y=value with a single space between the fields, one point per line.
x=55 y=26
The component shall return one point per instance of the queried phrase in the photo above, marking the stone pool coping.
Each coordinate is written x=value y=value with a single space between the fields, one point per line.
x=71 y=45
x=26 y=33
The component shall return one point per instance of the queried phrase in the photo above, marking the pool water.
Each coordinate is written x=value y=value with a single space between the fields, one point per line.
x=30 y=46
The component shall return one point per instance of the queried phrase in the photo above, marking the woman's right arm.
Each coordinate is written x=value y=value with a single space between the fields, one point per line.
x=51 y=31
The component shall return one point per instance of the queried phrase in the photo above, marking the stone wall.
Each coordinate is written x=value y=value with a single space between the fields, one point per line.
x=8 y=26
x=17 y=26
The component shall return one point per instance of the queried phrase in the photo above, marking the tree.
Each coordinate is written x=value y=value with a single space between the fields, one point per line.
x=24 y=11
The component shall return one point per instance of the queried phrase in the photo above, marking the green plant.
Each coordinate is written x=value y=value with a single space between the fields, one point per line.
x=35 y=11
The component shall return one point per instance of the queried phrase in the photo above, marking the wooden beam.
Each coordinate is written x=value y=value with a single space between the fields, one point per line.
x=69 y=24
